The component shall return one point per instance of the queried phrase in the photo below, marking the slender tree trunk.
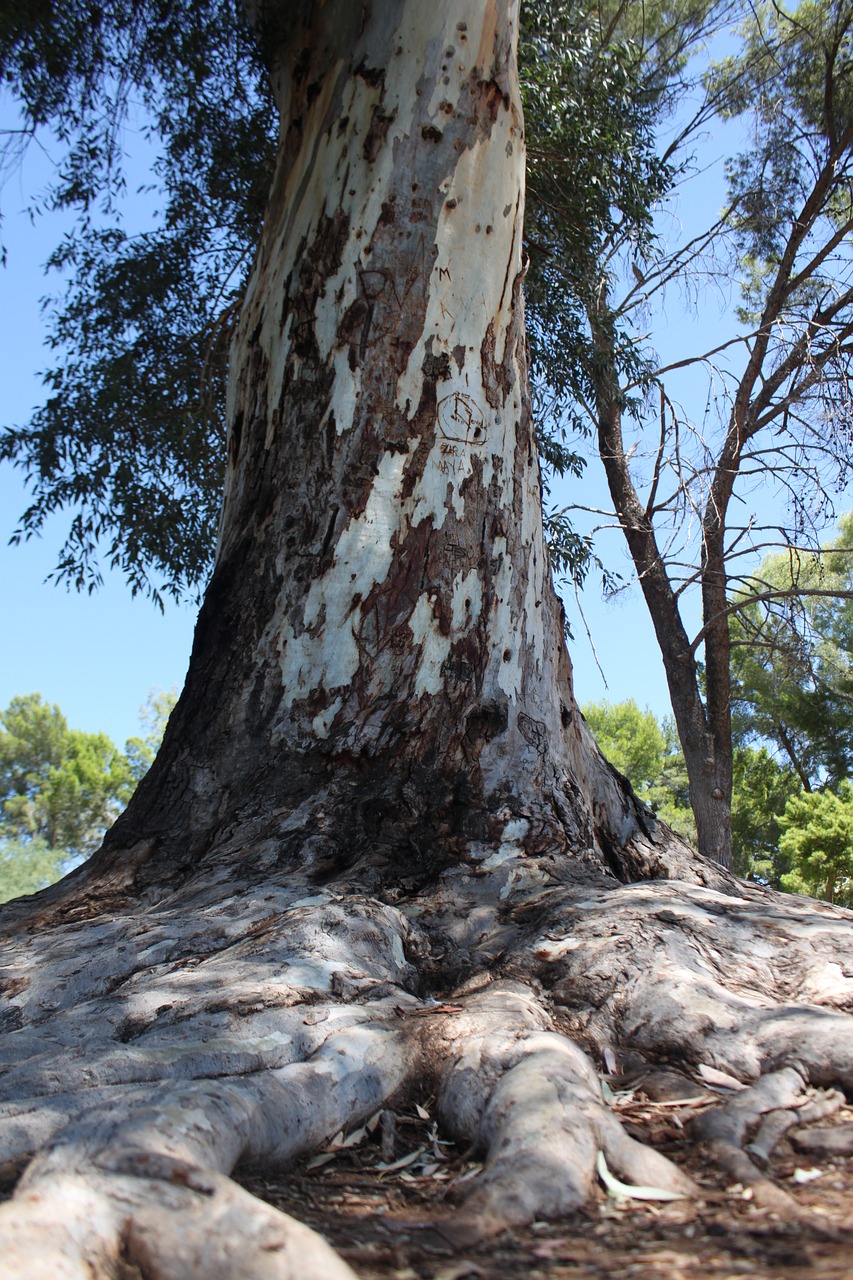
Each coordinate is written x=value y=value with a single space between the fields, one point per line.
x=703 y=729
x=718 y=700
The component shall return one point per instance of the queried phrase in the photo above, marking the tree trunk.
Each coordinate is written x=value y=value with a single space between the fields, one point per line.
x=704 y=728
x=379 y=854
x=379 y=667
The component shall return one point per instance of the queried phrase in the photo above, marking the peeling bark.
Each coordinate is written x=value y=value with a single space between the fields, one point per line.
x=379 y=850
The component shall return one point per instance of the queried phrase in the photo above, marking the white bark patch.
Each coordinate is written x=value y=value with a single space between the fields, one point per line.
x=466 y=291
x=507 y=623
x=325 y=653
x=434 y=647
x=467 y=601
x=322 y=722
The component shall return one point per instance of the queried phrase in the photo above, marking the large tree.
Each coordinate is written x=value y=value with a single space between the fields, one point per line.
x=378 y=849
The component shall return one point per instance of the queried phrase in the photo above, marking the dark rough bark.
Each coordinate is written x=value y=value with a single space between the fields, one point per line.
x=379 y=852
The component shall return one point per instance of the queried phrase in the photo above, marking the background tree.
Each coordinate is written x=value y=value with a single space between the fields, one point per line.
x=648 y=754
x=598 y=78
x=60 y=788
x=761 y=788
x=154 y=716
x=27 y=865
x=817 y=841
x=378 y=854
x=59 y=785
x=782 y=411
x=792 y=659
x=792 y=693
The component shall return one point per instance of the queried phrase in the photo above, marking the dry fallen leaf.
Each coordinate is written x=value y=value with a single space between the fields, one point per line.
x=318 y=1161
x=354 y=1138
x=721 y=1079
x=548 y=1248
x=402 y=1163
x=807 y=1175
x=622 y=1190
x=459 y=1271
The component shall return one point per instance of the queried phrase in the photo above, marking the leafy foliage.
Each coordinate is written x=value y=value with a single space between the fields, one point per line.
x=130 y=439
x=27 y=866
x=154 y=716
x=792 y=694
x=58 y=785
x=818 y=840
x=61 y=788
x=647 y=753
x=632 y=740
x=792 y=660
x=592 y=165
x=761 y=788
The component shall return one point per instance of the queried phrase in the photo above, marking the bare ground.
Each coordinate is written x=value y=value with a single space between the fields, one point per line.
x=381 y=1219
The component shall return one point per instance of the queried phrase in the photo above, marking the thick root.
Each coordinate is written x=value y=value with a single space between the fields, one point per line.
x=531 y=1100
x=176 y=1223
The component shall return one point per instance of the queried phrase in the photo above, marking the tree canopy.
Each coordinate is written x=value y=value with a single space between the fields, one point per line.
x=130 y=440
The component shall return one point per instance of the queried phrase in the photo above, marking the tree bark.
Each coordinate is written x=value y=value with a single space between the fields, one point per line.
x=381 y=636
x=379 y=854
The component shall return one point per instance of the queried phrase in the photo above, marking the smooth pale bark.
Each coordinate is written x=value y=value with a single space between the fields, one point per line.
x=379 y=852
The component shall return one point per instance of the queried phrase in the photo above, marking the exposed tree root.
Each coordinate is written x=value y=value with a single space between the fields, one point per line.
x=154 y=1052
x=531 y=1101
x=725 y=1129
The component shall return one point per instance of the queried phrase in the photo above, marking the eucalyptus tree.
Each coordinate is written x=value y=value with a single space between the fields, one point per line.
x=378 y=851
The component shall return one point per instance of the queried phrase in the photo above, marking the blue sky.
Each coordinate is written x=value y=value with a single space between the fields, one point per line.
x=96 y=656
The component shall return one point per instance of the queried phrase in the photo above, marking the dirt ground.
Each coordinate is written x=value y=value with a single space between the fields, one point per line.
x=386 y=1220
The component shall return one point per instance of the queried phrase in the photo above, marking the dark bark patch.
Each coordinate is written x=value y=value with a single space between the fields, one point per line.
x=326 y=252
x=11 y=1019
x=437 y=368
x=493 y=97
x=374 y=76
x=429 y=133
x=377 y=133
x=487 y=721
x=236 y=436
x=132 y=1028
x=496 y=380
